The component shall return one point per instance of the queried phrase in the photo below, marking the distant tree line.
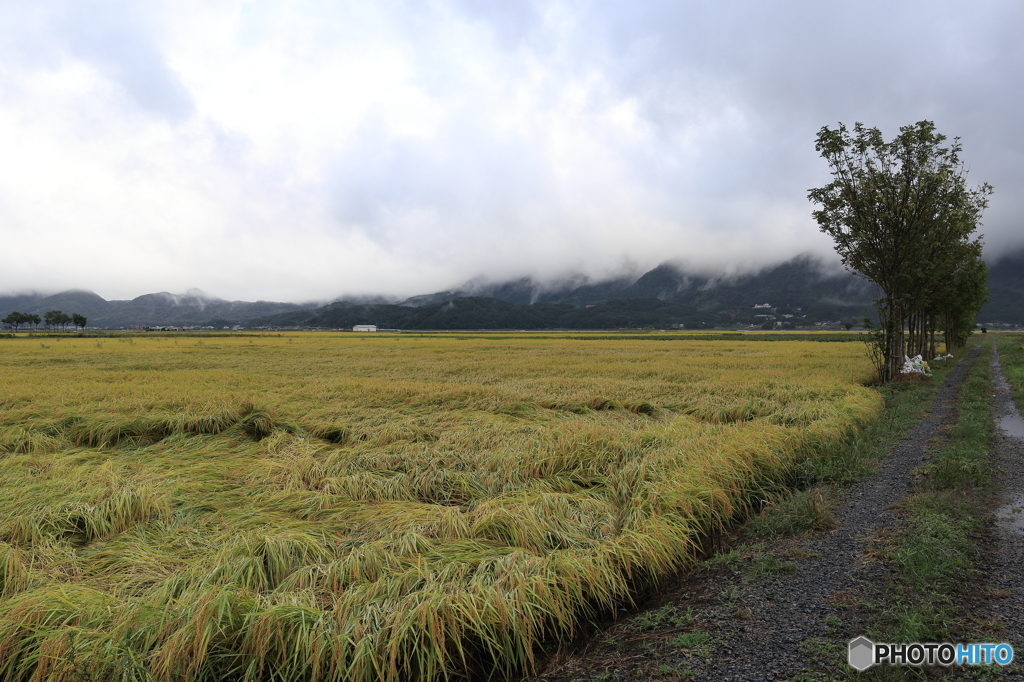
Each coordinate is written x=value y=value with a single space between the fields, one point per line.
x=902 y=216
x=54 y=319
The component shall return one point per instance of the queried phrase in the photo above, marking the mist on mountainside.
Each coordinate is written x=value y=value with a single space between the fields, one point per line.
x=804 y=288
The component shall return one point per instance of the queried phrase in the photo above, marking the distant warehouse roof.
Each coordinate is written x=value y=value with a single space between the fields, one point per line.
x=365 y=328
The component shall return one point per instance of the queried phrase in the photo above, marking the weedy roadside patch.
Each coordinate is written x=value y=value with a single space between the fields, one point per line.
x=769 y=565
x=663 y=618
x=1011 y=357
x=804 y=512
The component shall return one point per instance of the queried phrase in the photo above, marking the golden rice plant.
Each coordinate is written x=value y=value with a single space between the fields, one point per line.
x=331 y=507
x=18 y=440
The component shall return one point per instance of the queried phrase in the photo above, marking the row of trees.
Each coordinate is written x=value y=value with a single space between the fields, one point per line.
x=54 y=319
x=902 y=216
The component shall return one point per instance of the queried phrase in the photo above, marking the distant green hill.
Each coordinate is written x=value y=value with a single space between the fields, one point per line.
x=798 y=283
x=1005 y=291
x=193 y=308
x=799 y=292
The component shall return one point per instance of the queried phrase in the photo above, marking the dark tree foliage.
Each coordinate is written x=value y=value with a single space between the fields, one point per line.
x=902 y=216
x=56 y=318
x=16 y=319
x=965 y=293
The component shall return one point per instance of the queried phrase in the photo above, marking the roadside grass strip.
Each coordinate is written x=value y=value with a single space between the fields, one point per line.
x=1011 y=357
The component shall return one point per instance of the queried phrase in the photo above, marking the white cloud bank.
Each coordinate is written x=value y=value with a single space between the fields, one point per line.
x=301 y=150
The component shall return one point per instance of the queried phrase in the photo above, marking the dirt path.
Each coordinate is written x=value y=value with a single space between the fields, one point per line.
x=1006 y=568
x=788 y=614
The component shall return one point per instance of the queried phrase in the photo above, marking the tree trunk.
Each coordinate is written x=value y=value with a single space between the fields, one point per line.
x=931 y=337
x=895 y=332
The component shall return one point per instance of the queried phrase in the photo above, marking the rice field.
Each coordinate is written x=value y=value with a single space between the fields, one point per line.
x=374 y=507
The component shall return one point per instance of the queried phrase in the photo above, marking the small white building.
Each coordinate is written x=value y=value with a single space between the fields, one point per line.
x=365 y=328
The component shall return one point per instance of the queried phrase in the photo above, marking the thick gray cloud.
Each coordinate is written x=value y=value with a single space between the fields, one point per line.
x=118 y=43
x=303 y=150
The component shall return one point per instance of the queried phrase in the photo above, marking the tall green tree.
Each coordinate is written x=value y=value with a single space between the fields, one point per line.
x=965 y=294
x=79 y=321
x=895 y=211
x=56 y=318
x=16 y=319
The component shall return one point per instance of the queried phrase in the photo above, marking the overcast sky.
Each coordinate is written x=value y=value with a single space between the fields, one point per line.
x=304 y=150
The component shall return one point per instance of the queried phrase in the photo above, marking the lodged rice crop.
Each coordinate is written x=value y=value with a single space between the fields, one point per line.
x=396 y=507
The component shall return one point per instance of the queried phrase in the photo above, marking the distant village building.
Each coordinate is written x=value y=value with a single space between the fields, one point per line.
x=365 y=328
x=762 y=305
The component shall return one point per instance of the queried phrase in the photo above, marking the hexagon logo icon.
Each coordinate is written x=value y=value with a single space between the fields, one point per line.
x=862 y=653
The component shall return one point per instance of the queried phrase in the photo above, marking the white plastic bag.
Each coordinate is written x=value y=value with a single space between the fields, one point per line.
x=915 y=364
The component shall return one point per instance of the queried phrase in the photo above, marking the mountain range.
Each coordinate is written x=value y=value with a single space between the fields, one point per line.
x=798 y=292
x=194 y=307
